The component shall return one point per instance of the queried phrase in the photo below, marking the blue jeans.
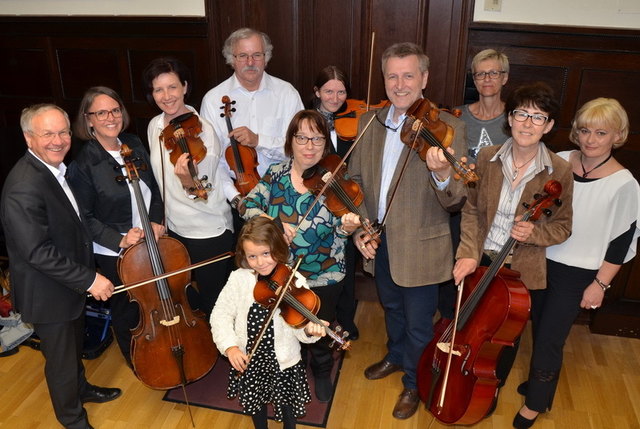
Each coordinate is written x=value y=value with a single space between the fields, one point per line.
x=408 y=313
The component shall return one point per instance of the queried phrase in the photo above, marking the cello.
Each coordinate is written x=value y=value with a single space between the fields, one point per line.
x=243 y=160
x=171 y=346
x=456 y=372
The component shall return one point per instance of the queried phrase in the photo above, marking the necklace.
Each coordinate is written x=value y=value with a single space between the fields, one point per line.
x=517 y=169
x=585 y=173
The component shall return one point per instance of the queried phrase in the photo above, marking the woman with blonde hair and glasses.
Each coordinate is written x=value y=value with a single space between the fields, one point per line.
x=604 y=236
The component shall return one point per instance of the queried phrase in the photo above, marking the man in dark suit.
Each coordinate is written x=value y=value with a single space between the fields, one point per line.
x=51 y=261
x=415 y=253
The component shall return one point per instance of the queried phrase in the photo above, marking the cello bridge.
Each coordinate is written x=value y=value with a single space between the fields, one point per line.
x=174 y=321
x=446 y=347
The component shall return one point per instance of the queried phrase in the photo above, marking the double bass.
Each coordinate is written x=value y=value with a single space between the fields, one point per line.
x=171 y=346
x=456 y=372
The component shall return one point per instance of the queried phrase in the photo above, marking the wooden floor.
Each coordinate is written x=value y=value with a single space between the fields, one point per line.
x=599 y=388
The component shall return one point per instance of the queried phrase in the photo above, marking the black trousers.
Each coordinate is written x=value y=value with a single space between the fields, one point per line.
x=560 y=307
x=321 y=352
x=346 y=305
x=61 y=345
x=125 y=314
x=210 y=278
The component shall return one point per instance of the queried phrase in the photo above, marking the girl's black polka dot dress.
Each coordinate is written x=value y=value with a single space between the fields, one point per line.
x=263 y=382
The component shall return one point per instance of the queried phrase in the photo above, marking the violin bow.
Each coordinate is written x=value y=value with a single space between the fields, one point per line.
x=333 y=173
x=123 y=287
x=449 y=347
x=272 y=312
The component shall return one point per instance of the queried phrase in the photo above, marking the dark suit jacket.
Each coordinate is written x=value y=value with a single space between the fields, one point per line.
x=50 y=252
x=418 y=234
x=105 y=202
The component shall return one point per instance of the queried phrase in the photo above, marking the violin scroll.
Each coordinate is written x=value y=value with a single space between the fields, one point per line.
x=423 y=129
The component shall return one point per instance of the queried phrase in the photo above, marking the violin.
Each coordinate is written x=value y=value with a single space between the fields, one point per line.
x=456 y=372
x=243 y=160
x=299 y=305
x=342 y=195
x=182 y=136
x=171 y=346
x=423 y=129
x=346 y=124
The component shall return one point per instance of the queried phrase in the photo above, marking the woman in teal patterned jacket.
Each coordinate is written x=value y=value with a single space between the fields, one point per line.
x=320 y=239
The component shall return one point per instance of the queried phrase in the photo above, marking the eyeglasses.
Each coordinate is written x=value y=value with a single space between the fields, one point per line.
x=536 y=118
x=243 y=58
x=302 y=140
x=493 y=74
x=102 y=115
x=49 y=136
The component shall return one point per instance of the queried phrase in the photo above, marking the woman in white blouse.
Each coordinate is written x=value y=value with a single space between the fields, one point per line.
x=606 y=206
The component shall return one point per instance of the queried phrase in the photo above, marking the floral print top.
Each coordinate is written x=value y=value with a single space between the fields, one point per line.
x=317 y=241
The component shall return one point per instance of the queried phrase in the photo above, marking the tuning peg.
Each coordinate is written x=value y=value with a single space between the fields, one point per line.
x=557 y=202
x=537 y=196
x=526 y=205
x=547 y=212
x=120 y=178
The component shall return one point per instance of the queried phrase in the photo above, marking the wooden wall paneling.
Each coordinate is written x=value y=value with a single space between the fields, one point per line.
x=330 y=35
x=444 y=36
x=393 y=22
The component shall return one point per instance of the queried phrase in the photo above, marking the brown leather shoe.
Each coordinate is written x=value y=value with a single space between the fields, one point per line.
x=407 y=404
x=381 y=369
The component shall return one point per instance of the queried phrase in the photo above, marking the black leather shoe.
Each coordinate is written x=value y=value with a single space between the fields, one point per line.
x=381 y=369
x=523 y=388
x=521 y=422
x=353 y=334
x=407 y=404
x=100 y=394
x=324 y=389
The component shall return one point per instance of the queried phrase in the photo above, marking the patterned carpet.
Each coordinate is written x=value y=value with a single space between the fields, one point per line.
x=211 y=392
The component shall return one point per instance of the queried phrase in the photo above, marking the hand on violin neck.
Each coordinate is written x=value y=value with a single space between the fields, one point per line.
x=181 y=169
x=316 y=330
x=133 y=236
x=350 y=222
x=245 y=136
x=438 y=163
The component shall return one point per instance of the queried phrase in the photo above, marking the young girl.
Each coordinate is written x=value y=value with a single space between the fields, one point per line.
x=275 y=374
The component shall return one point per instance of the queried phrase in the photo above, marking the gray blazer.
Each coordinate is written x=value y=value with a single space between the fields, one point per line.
x=417 y=227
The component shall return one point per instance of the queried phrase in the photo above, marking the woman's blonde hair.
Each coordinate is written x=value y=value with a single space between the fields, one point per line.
x=602 y=112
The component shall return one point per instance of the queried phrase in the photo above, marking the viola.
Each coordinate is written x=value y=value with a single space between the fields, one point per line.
x=456 y=372
x=171 y=346
x=182 y=136
x=243 y=160
x=299 y=305
x=424 y=129
x=342 y=195
x=346 y=124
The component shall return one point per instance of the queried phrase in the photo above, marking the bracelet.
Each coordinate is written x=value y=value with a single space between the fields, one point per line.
x=341 y=231
x=602 y=285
